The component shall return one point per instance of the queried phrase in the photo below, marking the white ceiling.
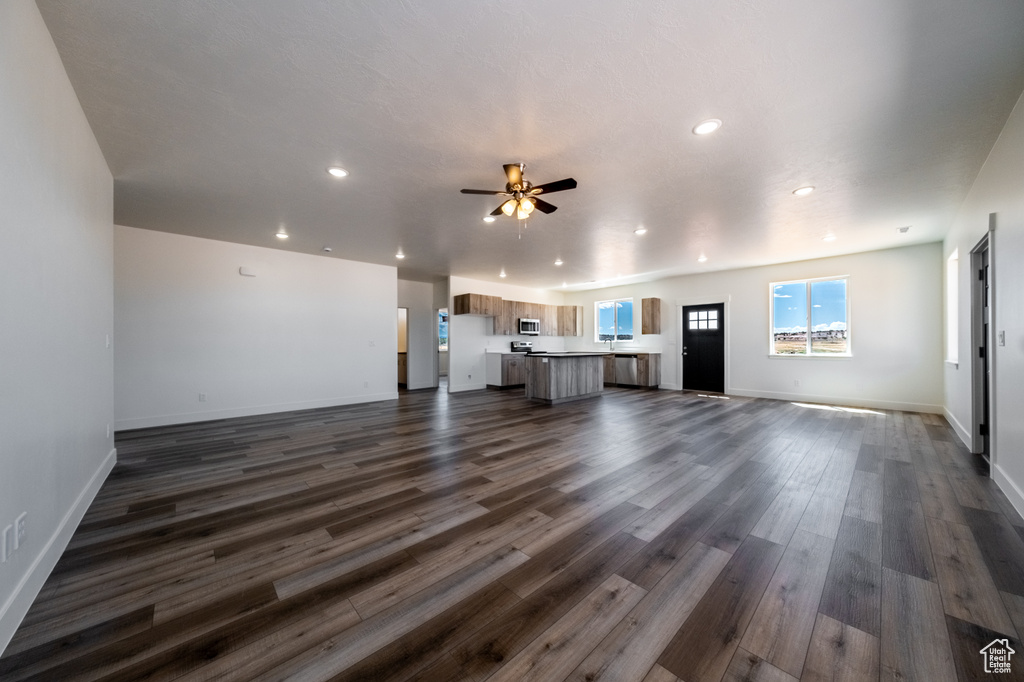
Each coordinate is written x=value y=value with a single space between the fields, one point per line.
x=219 y=118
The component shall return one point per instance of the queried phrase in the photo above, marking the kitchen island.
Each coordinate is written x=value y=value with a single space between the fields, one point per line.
x=562 y=377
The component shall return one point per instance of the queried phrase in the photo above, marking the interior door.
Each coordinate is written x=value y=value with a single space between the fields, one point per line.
x=704 y=347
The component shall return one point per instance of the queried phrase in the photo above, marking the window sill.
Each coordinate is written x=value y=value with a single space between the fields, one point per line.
x=820 y=356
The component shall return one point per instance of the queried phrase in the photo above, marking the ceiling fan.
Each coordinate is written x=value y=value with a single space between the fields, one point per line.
x=523 y=195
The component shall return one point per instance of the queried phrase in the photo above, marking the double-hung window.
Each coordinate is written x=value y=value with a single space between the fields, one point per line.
x=811 y=317
x=614 y=320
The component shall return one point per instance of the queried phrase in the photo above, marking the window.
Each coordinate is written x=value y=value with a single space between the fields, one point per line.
x=614 y=319
x=952 y=306
x=442 y=330
x=704 y=319
x=818 y=305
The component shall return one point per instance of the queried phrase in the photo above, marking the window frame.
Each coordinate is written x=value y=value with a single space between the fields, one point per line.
x=953 y=308
x=809 y=353
x=597 y=320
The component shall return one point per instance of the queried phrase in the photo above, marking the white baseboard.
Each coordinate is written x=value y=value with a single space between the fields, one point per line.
x=961 y=432
x=838 y=400
x=1012 y=491
x=14 y=610
x=248 y=411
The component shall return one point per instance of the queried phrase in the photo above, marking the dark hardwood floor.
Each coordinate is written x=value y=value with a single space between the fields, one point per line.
x=643 y=536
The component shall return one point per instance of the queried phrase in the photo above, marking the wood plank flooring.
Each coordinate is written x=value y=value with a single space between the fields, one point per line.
x=645 y=536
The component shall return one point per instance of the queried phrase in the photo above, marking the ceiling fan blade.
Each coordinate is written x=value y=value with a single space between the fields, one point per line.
x=497 y=211
x=483 y=191
x=556 y=186
x=543 y=206
x=514 y=171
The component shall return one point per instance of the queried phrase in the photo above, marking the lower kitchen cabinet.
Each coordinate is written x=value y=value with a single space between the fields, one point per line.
x=505 y=370
x=646 y=373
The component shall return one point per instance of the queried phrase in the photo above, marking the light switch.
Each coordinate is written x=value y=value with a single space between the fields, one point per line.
x=1002 y=338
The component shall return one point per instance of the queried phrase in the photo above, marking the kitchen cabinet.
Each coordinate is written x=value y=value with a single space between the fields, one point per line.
x=506 y=323
x=647 y=367
x=476 y=304
x=549 y=320
x=506 y=370
x=555 y=320
x=570 y=320
x=650 y=321
x=609 y=369
x=513 y=370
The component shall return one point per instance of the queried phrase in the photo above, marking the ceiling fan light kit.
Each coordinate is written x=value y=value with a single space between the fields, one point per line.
x=523 y=195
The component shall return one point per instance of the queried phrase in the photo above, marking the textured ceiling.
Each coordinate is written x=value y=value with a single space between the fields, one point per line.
x=219 y=118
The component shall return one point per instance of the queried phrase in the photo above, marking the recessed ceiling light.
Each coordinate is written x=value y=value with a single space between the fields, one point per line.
x=558 y=261
x=803 y=191
x=399 y=255
x=489 y=219
x=281 y=234
x=706 y=127
x=702 y=258
x=640 y=230
x=502 y=273
x=828 y=238
x=565 y=284
x=327 y=249
x=337 y=172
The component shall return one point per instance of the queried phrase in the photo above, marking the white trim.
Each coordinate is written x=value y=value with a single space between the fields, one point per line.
x=838 y=400
x=963 y=434
x=1013 y=493
x=25 y=592
x=251 y=411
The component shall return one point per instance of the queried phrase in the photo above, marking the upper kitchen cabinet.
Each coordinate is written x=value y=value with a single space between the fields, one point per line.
x=651 y=316
x=570 y=320
x=476 y=304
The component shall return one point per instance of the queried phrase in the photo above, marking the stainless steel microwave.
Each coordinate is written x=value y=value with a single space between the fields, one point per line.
x=529 y=327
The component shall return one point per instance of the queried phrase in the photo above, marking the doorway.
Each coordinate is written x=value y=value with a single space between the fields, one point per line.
x=403 y=347
x=703 y=355
x=981 y=348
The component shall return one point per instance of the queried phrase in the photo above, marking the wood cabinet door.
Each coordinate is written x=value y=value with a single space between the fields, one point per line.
x=650 y=322
x=609 y=369
x=513 y=370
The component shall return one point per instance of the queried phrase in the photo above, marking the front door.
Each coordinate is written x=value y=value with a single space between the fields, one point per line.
x=704 y=347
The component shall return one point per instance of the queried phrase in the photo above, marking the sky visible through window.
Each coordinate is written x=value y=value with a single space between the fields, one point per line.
x=828 y=307
x=825 y=313
x=610 y=313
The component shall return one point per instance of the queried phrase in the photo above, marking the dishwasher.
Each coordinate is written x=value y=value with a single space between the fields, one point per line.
x=625 y=370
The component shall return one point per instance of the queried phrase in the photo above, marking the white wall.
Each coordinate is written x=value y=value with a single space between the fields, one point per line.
x=306 y=331
x=471 y=336
x=56 y=390
x=895 y=329
x=418 y=297
x=999 y=190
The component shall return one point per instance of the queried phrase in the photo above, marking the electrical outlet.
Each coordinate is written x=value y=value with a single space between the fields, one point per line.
x=373 y=344
x=6 y=544
x=108 y=431
x=20 y=529
x=366 y=384
x=202 y=397
x=796 y=382
x=470 y=376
